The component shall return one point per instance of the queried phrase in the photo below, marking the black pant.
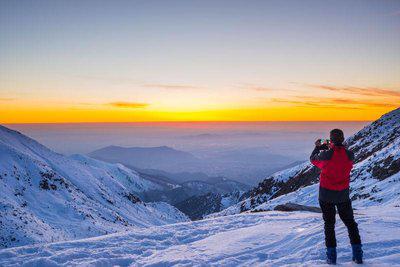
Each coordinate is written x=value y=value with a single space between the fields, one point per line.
x=345 y=211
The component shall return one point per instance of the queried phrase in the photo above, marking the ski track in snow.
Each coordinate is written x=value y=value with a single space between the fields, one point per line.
x=249 y=239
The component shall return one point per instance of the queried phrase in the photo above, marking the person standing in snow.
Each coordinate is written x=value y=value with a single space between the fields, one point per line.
x=335 y=163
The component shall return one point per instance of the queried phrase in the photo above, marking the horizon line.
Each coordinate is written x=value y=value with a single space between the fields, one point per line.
x=155 y=122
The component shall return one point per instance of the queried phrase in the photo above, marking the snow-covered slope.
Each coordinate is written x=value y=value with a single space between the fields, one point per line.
x=375 y=178
x=251 y=239
x=46 y=196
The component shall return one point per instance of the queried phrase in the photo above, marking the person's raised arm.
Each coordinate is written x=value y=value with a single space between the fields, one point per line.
x=320 y=154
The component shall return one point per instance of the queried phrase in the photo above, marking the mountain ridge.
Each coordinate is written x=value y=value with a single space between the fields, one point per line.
x=50 y=197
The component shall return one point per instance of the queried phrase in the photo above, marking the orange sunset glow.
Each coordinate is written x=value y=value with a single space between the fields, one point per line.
x=58 y=115
x=360 y=104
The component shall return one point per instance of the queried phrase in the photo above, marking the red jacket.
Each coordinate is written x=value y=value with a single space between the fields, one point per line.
x=335 y=164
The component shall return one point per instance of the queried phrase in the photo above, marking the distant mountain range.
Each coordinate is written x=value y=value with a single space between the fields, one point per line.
x=245 y=165
x=163 y=157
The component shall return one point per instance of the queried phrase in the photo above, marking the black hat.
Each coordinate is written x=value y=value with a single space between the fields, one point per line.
x=337 y=136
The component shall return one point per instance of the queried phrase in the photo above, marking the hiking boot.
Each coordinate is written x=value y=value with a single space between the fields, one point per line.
x=357 y=253
x=331 y=255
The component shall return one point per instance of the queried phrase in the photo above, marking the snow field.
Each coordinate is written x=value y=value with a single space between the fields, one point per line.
x=249 y=239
